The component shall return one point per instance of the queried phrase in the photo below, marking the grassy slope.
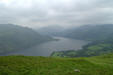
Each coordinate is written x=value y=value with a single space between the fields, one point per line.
x=28 y=65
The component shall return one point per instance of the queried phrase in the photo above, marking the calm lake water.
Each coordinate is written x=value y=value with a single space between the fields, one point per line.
x=45 y=49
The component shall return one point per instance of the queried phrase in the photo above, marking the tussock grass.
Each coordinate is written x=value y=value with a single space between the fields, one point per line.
x=30 y=65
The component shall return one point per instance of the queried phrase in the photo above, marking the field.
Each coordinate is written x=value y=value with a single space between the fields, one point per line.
x=30 y=65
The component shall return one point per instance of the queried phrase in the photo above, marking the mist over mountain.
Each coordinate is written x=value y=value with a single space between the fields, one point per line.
x=13 y=38
x=85 y=32
x=90 y=32
x=51 y=30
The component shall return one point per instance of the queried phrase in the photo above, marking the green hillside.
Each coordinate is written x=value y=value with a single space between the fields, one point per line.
x=92 y=49
x=29 y=65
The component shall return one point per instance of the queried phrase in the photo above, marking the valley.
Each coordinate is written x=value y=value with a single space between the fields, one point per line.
x=56 y=37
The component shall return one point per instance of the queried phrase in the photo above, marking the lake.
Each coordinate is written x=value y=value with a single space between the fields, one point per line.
x=45 y=49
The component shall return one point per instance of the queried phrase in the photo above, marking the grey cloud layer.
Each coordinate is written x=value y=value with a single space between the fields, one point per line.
x=51 y=12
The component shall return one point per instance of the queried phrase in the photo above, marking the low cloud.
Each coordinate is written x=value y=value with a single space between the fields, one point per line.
x=39 y=13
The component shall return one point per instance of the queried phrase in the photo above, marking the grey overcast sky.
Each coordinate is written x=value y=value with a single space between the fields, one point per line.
x=39 y=13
